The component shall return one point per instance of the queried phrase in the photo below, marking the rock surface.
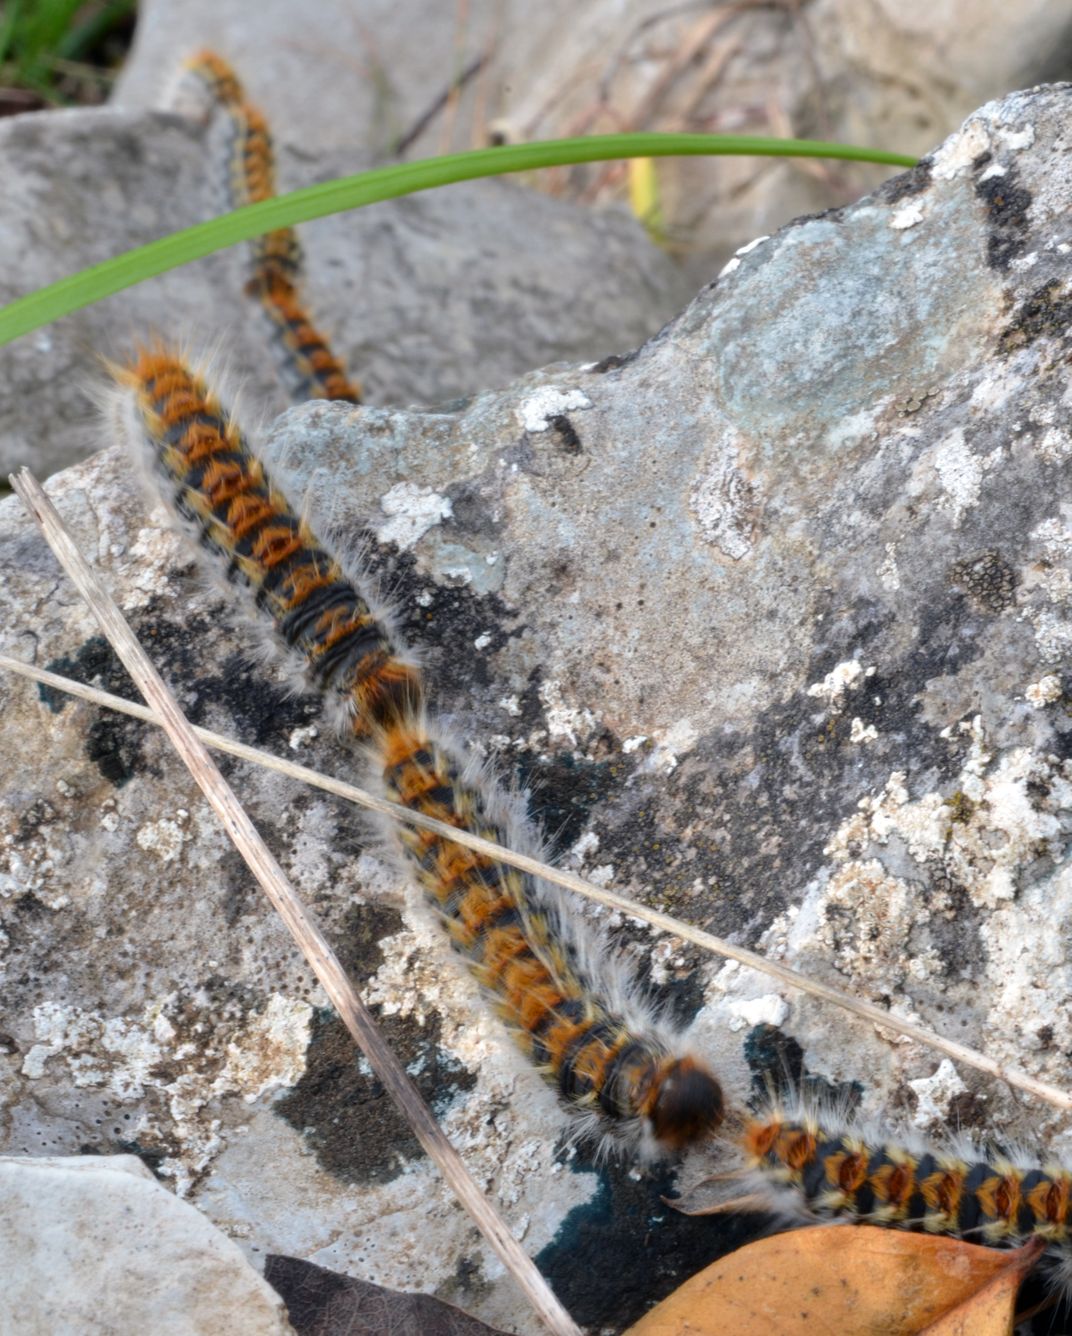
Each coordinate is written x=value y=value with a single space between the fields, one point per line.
x=96 y=1246
x=428 y=297
x=775 y=617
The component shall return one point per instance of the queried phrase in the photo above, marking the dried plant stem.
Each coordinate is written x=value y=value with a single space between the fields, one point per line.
x=303 y=927
x=707 y=941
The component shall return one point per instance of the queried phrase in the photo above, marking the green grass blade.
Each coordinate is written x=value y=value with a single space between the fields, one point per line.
x=383 y=183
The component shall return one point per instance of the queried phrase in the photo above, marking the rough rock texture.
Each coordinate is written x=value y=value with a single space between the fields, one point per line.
x=773 y=614
x=898 y=74
x=95 y=1245
x=427 y=297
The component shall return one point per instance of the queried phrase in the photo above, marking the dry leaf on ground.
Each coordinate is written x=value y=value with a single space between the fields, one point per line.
x=324 y=1303
x=852 y=1280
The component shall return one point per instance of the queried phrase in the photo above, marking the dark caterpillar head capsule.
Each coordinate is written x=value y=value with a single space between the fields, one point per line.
x=685 y=1103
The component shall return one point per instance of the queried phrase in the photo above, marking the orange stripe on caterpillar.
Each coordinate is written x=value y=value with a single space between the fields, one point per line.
x=220 y=486
x=617 y=1070
x=216 y=75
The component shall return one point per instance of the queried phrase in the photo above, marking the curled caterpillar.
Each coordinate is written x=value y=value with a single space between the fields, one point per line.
x=306 y=362
x=612 y=1061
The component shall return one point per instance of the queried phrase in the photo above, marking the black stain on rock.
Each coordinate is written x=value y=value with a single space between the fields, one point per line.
x=625 y=1250
x=913 y=182
x=562 y=791
x=259 y=708
x=114 y=742
x=568 y=439
x=1006 y=206
x=1046 y=313
x=776 y=1061
x=446 y=623
x=346 y=1115
x=614 y=362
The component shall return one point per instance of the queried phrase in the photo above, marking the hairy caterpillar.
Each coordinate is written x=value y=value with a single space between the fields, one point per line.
x=583 y=1027
x=306 y=363
x=806 y=1161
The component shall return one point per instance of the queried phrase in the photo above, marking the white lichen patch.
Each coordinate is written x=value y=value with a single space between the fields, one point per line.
x=33 y=858
x=843 y=677
x=959 y=471
x=935 y=1094
x=907 y=216
x=1045 y=691
x=735 y=262
x=1055 y=445
x=1016 y=139
x=722 y=501
x=767 y=1009
x=861 y=732
x=164 y=838
x=669 y=745
x=865 y=920
x=536 y=410
x=998 y=821
x=568 y=723
x=269 y=1051
x=1051 y=577
x=206 y=1056
x=888 y=572
x=153 y=554
x=582 y=849
x=958 y=152
x=1028 y=993
x=411 y=511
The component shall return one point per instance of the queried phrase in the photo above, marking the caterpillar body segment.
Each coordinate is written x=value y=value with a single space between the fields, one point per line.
x=307 y=366
x=611 y=1059
x=306 y=363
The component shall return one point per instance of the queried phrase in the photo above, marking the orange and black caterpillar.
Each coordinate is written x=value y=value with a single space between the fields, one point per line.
x=808 y=1162
x=307 y=364
x=611 y=1060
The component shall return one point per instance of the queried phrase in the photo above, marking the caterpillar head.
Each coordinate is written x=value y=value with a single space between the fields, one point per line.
x=684 y=1104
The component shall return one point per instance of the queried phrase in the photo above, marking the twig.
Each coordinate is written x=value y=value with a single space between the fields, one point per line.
x=664 y=922
x=303 y=927
x=436 y=106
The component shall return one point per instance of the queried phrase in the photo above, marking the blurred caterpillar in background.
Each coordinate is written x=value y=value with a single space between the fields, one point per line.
x=306 y=363
x=572 y=1009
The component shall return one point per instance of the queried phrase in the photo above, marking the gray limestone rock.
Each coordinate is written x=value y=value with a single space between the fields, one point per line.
x=95 y=1245
x=427 y=297
x=772 y=615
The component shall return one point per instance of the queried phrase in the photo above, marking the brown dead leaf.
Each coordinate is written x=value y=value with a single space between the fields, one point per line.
x=849 y=1280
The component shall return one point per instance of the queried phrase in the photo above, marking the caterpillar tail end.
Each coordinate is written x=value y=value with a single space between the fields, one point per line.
x=685 y=1106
